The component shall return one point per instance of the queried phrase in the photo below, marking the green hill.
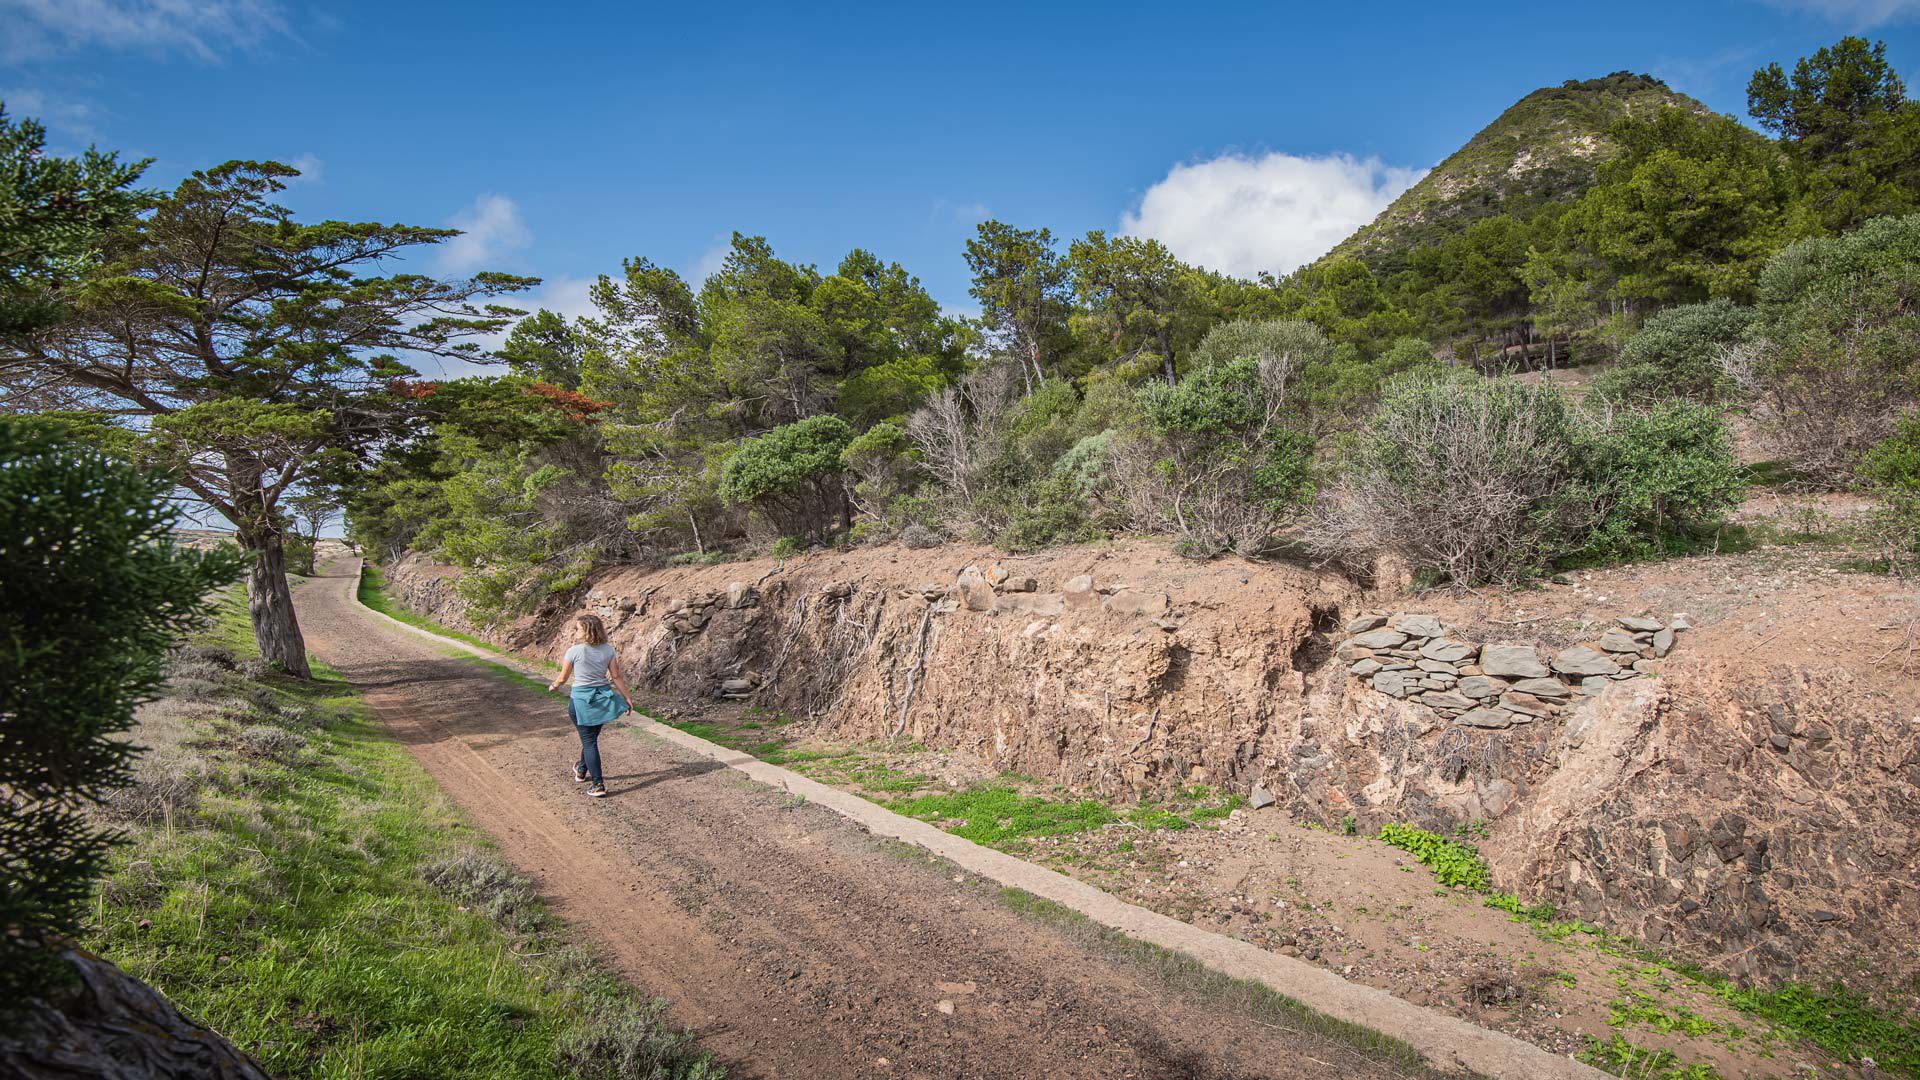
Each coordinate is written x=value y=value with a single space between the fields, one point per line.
x=1545 y=147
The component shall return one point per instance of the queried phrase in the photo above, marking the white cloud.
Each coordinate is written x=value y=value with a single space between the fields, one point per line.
x=312 y=169
x=39 y=29
x=1241 y=214
x=490 y=230
x=708 y=264
x=72 y=120
x=1855 y=14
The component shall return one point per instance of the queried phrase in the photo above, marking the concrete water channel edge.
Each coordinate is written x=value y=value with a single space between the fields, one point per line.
x=1446 y=1042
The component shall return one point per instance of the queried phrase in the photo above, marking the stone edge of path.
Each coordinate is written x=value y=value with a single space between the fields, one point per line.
x=1448 y=1043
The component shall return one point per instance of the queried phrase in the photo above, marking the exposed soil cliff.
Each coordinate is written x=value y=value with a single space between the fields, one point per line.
x=1753 y=806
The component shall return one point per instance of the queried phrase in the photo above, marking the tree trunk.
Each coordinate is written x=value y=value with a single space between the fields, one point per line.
x=270 y=603
x=115 y=1027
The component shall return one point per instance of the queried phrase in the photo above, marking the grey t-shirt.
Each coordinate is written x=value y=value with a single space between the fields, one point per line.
x=590 y=663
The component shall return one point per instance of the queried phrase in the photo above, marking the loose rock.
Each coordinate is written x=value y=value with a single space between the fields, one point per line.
x=1580 y=660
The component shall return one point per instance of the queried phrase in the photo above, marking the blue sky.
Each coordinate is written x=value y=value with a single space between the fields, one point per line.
x=568 y=137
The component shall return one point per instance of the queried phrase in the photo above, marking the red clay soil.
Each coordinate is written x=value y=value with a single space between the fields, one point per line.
x=793 y=943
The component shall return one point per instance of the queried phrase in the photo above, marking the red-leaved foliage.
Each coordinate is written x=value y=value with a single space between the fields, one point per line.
x=575 y=405
x=414 y=389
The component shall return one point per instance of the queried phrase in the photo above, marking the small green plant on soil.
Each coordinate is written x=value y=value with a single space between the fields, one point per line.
x=1456 y=864
x=1622 y=1058
x=998 y=814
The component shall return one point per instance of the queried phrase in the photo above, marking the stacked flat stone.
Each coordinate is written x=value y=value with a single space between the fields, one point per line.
x=1496 y=685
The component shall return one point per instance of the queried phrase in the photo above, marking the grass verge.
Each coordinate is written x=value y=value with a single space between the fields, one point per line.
x=373 y=594
x=294 y=879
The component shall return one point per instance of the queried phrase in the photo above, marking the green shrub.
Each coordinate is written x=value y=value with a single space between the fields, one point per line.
x=1495 y=480
x=1661 y=478
x=1215 y=459
x=93 y=592
x=787 y=547
x=1677 y=355
x=792 y=474
x=1462 y=478
x=1839 y=319
x=1891 y=471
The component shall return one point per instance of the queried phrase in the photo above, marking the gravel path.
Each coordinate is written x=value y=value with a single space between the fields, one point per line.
x=793 y=943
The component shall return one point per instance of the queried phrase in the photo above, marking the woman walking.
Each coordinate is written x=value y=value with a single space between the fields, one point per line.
x=594 y=669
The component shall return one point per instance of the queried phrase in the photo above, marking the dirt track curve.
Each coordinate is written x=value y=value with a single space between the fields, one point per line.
x=791 y=941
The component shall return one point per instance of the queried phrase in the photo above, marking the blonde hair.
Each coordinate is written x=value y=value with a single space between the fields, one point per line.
x=592 y=629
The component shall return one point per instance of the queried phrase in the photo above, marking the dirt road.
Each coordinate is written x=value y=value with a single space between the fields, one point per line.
x=792 y=942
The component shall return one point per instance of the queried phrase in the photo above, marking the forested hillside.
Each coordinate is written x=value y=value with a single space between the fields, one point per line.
x=1546 y=148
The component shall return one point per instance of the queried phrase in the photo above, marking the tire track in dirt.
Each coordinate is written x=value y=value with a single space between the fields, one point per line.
x=794 y=944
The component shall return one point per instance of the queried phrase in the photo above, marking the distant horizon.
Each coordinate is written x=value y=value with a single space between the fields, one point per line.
x=1246 y=138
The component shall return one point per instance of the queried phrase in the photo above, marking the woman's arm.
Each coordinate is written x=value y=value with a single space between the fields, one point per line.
x=566 y=672
x=619 y=681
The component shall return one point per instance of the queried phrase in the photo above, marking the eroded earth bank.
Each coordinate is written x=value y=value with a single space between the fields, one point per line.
x=1718 y=757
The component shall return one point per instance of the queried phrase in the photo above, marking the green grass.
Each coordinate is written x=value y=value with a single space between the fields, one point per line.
x=1245 y=997
x=288 y=908
x=373 y=594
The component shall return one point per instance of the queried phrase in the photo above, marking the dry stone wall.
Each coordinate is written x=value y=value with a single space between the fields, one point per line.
x=1498 y=684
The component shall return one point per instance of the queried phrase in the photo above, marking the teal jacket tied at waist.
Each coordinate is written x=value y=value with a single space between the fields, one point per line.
x=595 y=705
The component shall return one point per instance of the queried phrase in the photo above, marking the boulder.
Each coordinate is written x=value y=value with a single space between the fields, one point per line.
x=977 y=596
x=1380 y=639
x=1580 y=660
x=1435 y=667
x=1419 y=626
x=1365 y=667
x=1351 y=652
x=742 y=595
x=1486 y=718
x=1542 y=688
x=996 y=576
x=1446 y=650
x=837 y=590
x=1260 y=798
x=1640 y=623
x=1363 y=623
x=1446 y=699
x=1512 y=661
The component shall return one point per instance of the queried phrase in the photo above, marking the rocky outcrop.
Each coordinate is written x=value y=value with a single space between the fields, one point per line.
x=1755 y=818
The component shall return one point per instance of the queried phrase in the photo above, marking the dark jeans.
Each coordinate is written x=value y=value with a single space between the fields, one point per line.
x=589 y=746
